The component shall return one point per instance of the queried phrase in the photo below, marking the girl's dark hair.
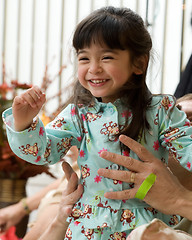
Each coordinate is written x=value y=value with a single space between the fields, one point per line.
x=119 y=28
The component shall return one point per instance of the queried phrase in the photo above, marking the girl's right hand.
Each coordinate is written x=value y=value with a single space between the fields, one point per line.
x=26 y=106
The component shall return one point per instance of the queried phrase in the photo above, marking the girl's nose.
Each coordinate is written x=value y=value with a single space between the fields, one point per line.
x=95 y=68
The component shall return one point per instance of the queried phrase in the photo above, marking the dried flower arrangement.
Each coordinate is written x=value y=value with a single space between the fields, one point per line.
x=11 y=166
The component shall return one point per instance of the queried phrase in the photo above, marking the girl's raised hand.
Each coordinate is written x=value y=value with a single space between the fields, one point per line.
x=26 y=107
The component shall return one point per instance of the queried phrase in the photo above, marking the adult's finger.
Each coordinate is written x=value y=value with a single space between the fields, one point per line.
x=68 y=170
x=121 y=195
x=73 y=191
x=3 y=227
x=128 y=162
x=137 y=148
x=72 y=184
x=74 y=196
x=69 y=198
x=124 y=176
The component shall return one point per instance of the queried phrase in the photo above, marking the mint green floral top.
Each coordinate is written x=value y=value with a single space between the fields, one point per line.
x=170 y=131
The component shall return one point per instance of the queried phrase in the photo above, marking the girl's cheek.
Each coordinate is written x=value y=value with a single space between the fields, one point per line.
x=81 y=74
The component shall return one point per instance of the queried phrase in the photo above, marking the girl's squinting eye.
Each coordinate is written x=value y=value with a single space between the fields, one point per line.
x=83 y=59
x=107 y=57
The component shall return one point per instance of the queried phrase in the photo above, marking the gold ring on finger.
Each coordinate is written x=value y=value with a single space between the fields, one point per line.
x=132 y=177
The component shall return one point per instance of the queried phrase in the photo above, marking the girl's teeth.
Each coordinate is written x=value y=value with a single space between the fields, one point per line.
x=98 y=81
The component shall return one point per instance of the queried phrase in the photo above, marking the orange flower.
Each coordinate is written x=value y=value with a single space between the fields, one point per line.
x=44 y=118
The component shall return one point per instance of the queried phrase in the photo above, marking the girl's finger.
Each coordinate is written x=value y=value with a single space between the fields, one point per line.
x=19 y=100
x=30 y=98
x=38 y=91
x=34 y=97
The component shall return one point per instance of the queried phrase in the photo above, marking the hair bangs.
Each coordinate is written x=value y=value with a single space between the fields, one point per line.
x=106 y=31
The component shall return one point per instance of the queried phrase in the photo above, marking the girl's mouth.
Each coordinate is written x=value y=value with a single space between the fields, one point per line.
x=97 y=81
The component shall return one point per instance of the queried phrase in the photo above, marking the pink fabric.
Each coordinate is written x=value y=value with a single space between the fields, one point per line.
x=9 y=235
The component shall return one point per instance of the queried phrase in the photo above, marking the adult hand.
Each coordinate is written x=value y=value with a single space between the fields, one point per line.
x=166 y=194
x=70 y=195
x=186 y=106
x=10 y=216
x=57 y=228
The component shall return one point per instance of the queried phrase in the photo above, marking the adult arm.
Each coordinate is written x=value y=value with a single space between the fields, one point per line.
x=184 y=176
x=167 y=194
x=58 y=226
x=11 y=215
x=51 y=217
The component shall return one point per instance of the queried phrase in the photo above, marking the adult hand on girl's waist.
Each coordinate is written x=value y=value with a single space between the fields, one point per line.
x=152 y=180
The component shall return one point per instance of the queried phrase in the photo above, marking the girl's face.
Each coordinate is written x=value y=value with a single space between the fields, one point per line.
x=103 y=71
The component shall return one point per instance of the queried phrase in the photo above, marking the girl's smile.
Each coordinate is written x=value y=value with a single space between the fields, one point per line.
x=98 y=82
x=104 y=71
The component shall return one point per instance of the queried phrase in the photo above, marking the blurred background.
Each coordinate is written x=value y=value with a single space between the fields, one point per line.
x=35 y=44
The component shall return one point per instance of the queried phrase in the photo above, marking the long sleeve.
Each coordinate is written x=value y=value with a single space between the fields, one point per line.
x=175 y=132
x=40 y=145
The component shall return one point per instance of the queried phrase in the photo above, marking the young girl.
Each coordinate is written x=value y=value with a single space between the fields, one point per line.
x=110 y=98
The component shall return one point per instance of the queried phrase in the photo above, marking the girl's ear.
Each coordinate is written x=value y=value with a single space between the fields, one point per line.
x=140 y=64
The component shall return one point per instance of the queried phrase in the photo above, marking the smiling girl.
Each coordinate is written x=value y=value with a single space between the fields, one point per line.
x=110 y=98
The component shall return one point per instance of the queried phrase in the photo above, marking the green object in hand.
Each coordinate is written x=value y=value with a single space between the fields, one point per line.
x=145 y=186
